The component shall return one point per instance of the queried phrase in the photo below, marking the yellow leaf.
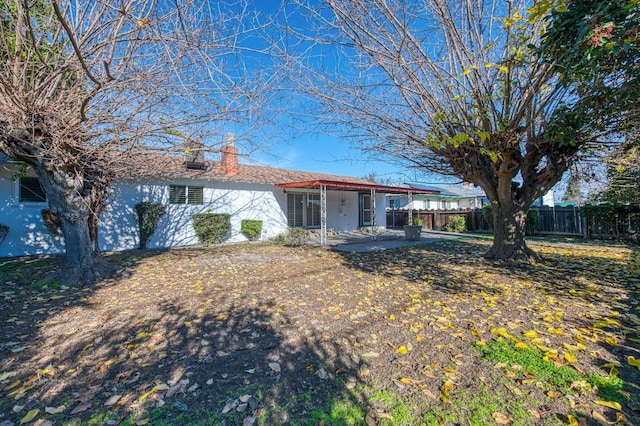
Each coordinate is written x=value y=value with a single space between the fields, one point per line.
x=610 y=404
x=392 y=317
x=12 y=319
x=634 y=362
x=521 y=345
x=570 y=358
x=531 y=334
x=30 y=416
x=553 y=394
x=610 y=340
x=572 y=420
x=444 y=395
x=481 y=343
x=402 y=350
x=13 y=385
x=466 y=72
x=141 y=335
x=503 y=68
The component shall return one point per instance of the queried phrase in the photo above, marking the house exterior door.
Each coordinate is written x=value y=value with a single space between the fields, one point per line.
x=366 y=210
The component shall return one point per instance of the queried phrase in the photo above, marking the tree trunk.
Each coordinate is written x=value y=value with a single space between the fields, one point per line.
x=83 y=264
x=508 y=235
x=83 y=261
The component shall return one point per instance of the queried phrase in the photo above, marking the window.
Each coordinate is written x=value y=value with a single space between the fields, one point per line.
x=31 y=191
x=295 y=204
x=182 y=194
x=313 y=210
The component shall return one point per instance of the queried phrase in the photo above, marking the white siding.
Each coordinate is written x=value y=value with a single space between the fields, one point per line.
x=118 y=226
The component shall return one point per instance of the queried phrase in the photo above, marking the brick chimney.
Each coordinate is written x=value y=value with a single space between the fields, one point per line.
x=229 y=159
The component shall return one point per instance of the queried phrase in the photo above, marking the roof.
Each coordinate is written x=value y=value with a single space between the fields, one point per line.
x=330 y=184
x=174 y=167
x=450 y=189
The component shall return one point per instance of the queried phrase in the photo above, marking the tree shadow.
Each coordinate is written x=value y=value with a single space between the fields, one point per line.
x=166 y=343
x=577 y=293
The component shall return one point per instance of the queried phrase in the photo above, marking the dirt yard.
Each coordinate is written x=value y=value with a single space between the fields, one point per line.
x=266 y=334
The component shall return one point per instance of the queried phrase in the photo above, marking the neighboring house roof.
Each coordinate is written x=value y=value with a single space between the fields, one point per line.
x=451 y=189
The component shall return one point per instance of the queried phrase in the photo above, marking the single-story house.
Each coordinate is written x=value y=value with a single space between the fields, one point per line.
x=443 y=196
x=280 y=198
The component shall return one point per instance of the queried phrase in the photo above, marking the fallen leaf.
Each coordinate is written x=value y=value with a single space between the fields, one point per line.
x=112 y=400
x=611 y=340
x=501 y=419
x=570 y=358
x=402 y=350
x=80 y=408
x=634 y=362
x=55 y=410
x=572 y=420
x=30 y=416
x=611 y=404
x=275 y=367
x=7 y=375
x=600 y=418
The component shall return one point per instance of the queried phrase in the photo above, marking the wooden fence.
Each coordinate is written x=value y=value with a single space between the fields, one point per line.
x=560 y=221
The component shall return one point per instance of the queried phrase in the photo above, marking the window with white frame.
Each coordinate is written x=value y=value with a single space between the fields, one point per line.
x=186 y=194
x=295 y=206
x=30 y=190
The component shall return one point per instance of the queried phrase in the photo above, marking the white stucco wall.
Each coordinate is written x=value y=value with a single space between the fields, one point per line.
x=28 y=234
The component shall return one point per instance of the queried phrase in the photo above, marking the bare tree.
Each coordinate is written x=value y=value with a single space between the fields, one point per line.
x=84 y=85
x=451 y=87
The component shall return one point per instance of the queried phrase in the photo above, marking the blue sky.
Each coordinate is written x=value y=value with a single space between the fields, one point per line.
x=310 y=149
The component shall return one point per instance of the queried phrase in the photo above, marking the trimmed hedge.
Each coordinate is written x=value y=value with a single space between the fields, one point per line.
x=211 y=228
x=149 y=215
x=251 y=228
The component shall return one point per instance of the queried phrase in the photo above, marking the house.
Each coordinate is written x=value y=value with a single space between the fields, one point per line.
x=444 y=196
x=280 y=198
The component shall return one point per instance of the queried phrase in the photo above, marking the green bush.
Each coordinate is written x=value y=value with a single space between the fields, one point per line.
x=415 y=220
x=456 y=224
x=149 y=215
x=251 y=228
x=532 y=223
x=4 y=230
x=211 y=228
x=279 y=239
x=296 y=237
x=487 y=214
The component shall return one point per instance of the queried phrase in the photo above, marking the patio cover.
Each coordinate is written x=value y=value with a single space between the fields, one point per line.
x=325 y=185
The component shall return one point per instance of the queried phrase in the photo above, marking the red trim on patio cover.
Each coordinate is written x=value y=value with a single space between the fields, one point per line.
x=354 y=187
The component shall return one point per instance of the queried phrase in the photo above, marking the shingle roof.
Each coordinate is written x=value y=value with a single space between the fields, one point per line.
x=173 y=167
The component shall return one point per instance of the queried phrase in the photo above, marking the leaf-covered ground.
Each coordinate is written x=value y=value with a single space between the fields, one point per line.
x=265 y=334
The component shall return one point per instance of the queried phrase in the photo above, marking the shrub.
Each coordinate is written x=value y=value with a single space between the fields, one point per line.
x=456 y=224
x=149 y=215
x=487 y=214
x=279 y=239
x=415 y=220
x=251 y=228
x=52 y=222
x=296 y=237
x=532 y=223
x=4 y=230
x=211 y=228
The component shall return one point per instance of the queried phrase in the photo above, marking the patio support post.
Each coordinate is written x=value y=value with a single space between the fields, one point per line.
x=410 y=207
x=373 y=214
x=323 y=215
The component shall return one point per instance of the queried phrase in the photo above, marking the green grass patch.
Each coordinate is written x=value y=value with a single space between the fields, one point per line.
x=532 y=361
x=478 y=408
